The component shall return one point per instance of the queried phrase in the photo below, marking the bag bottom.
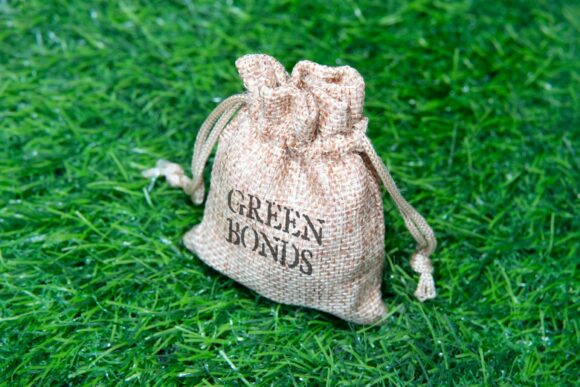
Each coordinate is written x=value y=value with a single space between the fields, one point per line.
x=374 y=308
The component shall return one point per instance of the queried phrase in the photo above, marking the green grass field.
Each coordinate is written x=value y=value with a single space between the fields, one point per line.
x=472 y=104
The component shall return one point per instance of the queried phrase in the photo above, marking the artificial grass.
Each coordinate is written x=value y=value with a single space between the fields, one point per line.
x=472 y=104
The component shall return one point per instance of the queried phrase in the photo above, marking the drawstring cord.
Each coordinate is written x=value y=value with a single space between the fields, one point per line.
x=416 y=224
x=204 y=143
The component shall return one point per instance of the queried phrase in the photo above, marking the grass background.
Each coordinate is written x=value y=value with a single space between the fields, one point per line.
x=472 y=104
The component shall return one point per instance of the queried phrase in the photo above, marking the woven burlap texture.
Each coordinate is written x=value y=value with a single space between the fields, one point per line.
x=294 y=209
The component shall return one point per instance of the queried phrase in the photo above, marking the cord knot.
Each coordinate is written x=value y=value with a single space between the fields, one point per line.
x=172 y=172
x=421 y=264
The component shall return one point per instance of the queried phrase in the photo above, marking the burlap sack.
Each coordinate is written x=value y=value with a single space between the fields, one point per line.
x=294 y=209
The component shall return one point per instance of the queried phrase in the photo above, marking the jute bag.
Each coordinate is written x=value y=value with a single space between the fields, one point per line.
x=294 y=209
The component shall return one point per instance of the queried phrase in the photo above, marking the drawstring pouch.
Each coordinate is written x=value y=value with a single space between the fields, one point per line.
x=294 y=209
